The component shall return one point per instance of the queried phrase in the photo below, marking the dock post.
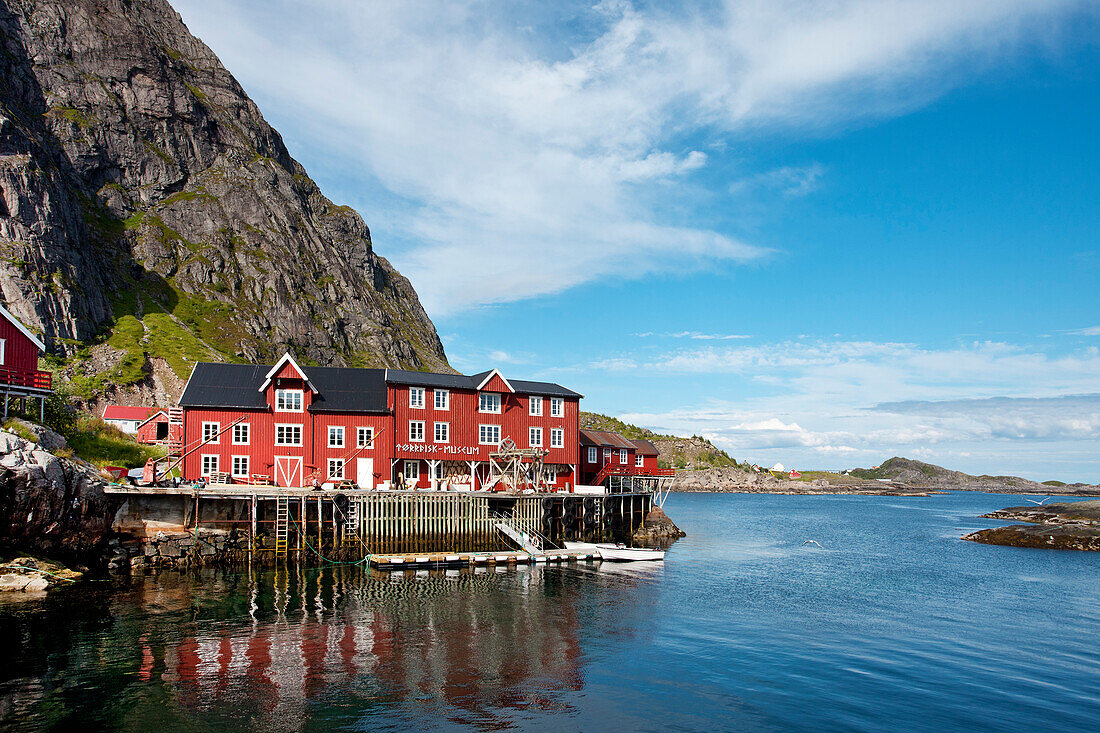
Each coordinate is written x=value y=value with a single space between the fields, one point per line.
x=320 y=524
x=252 y=536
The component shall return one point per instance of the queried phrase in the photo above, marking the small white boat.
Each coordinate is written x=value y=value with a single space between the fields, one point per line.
x=613 y=552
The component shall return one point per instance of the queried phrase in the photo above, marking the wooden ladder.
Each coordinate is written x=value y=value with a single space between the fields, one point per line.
x=351 y=525
x=282 y=520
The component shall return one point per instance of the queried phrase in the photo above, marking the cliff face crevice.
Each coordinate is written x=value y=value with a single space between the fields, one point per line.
x=137 y=177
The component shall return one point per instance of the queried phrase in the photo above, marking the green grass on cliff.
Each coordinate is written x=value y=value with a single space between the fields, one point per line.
x=105 y=445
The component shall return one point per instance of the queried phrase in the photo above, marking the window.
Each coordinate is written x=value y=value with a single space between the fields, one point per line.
x=288 y=400
x=416 y=431
x=439 y=471
x=442 y=432
x=336 y=469
x=639 y=460
x=412 y=472
x=442 y=399
x=593 y=455
x=623 y=457
x=607 y=455
x=489 y=402
x=210 y=432
x=416 y=397
x=488 y=434
x=557 y=438
x=557 y=407
x=240 y=466
x=364 y=438
x=3 y=350
x=551 y=474
x=209 y=465
x=335 y=436
x=536 y=406
x=534 y=437
x=288 y=435
x=241 y=433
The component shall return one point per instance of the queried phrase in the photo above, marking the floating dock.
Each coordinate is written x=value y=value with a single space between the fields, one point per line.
x=472 y=559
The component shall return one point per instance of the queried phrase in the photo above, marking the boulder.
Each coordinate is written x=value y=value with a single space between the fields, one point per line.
x=46 y=438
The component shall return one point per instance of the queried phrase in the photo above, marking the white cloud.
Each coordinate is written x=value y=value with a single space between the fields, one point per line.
x=986 y=407
x=522 y=155
x=1090 y=331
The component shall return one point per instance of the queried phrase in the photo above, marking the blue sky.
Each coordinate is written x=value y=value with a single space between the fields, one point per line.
x=818 y=233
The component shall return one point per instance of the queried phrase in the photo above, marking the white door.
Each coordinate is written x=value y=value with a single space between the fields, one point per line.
x=288 y=471
x=364 y=472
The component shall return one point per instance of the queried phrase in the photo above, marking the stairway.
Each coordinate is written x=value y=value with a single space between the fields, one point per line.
x=175 y=432
x=282 y=519
x=528 y=540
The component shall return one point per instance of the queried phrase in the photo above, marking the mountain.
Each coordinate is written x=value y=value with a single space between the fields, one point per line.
x=926 y=475
x=149 y=215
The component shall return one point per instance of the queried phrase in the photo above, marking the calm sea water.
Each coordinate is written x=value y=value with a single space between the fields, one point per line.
x=895 y=623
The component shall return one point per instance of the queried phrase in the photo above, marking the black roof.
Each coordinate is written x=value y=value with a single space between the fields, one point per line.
x=339 y=389
x=460 y=381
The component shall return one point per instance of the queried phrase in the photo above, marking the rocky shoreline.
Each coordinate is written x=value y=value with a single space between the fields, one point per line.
x=1062 y=526
x=905 y=481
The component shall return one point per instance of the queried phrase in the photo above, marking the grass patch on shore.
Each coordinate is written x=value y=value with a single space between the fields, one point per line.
x=105 y=445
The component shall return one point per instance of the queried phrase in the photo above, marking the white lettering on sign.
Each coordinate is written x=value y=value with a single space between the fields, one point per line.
x=428 y=448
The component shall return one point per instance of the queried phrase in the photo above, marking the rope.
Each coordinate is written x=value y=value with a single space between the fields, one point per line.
x=37 y=570
x=312 y=549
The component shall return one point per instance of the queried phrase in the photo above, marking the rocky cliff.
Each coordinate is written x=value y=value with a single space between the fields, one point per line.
x=147 y=207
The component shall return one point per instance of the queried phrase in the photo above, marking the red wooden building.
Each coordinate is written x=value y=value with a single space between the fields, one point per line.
x=159 y=429
x=19 y=373
x=371 y=426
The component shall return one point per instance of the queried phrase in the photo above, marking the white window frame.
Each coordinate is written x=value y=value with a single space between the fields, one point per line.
x=281 y=399
x=446 y=432
x=557 y=437
x=242 y=427
x=3 y=351
x=534 y=437
x=481 y=398
x=359 y=432
x=551 y=473
x=301 y=433
x=481 y=434
x=416 y=398
x=535 y=407
x=233 y=466
x=205 y=470
x=409 y=477
x=216 y=438
x=557 y=407
x=593 y=455
x=337 y=463
x=639 y=460
x=607 y=455
x=624 y=456
x=336 y=431
x=413 y=437
x=441 y=398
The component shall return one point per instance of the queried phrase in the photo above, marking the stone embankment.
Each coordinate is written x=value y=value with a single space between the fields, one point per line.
x=1071 y=525
x=180 y=551
x=737 y=481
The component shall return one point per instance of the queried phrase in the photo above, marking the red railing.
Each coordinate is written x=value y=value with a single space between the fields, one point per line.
x=33 y=380
x=610 y=470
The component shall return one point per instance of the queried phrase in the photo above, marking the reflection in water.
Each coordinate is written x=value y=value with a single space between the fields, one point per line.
x=286 y=650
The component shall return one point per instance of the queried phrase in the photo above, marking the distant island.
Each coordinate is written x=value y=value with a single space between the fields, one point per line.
x=702 y=466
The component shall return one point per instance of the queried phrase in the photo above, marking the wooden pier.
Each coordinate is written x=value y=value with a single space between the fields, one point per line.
x=394 y=528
